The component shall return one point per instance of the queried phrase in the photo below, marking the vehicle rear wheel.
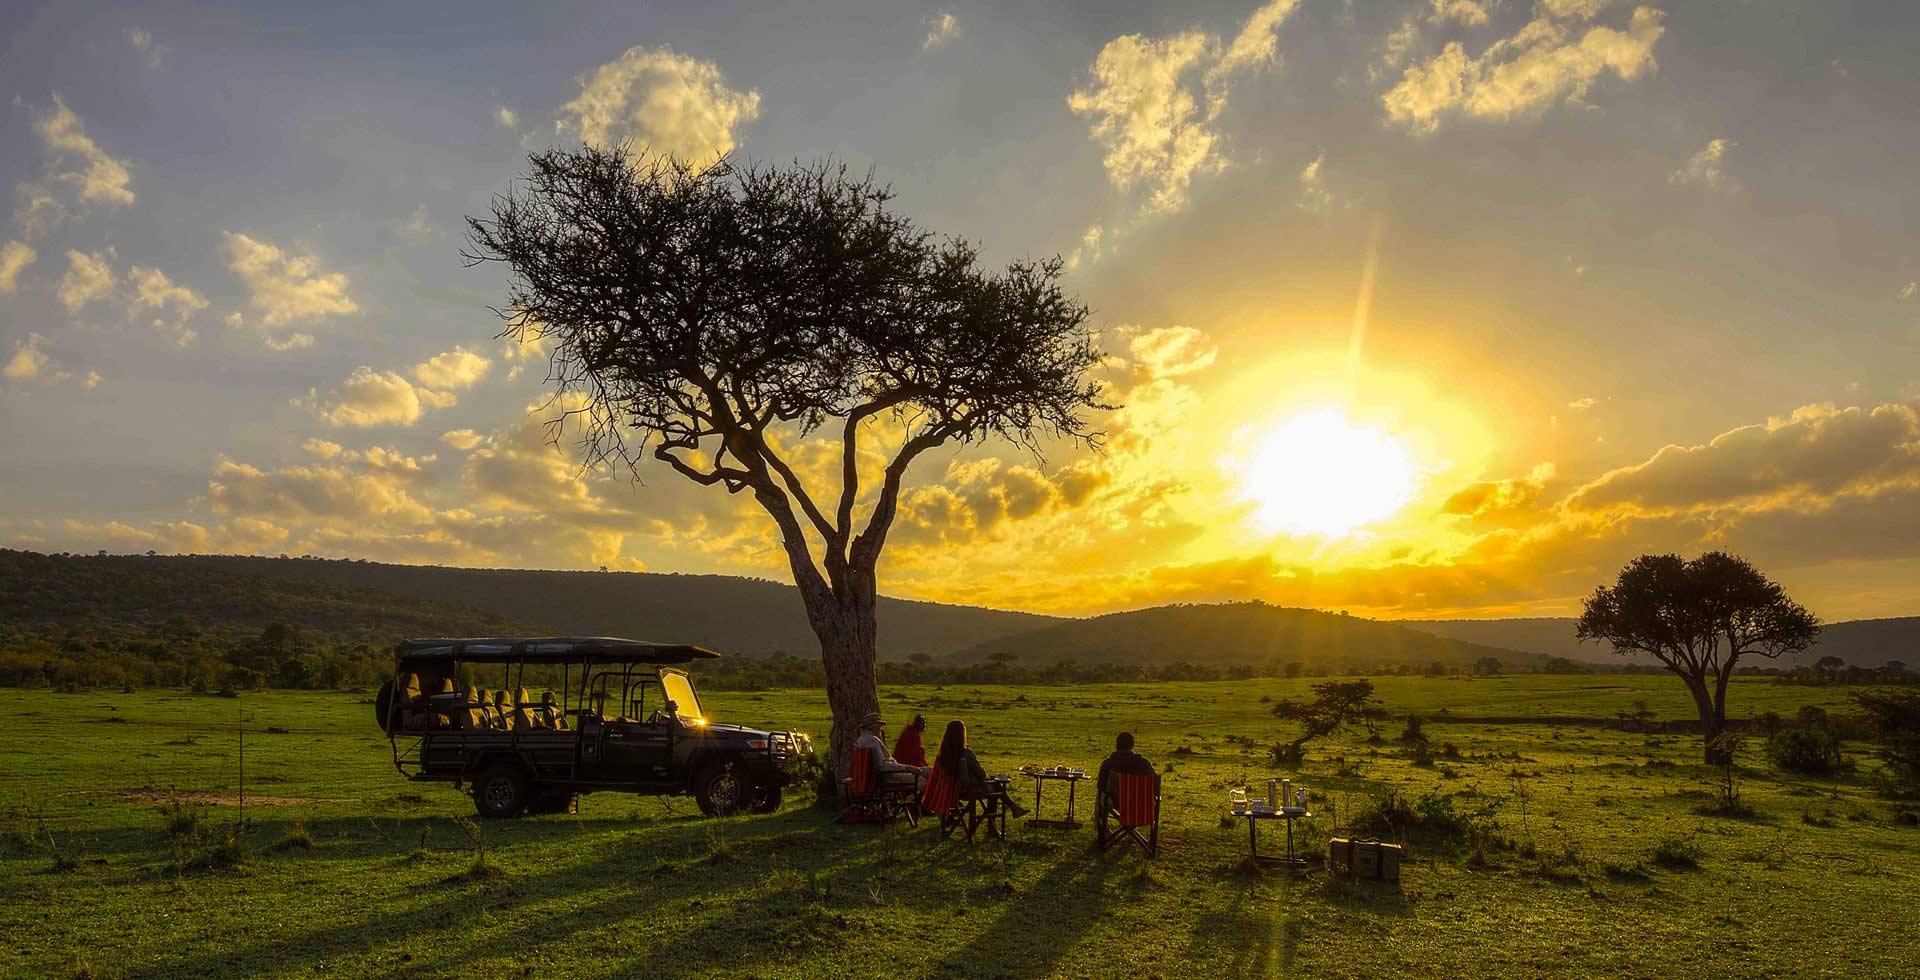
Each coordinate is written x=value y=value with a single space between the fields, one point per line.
x=383 y=706
x=768 y=799
x=501 y=791
x=720 y=791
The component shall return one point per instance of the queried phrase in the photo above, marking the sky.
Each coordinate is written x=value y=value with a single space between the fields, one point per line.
x=1413 y=309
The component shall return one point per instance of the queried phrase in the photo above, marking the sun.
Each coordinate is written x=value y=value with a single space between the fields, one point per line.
x=1319 y=474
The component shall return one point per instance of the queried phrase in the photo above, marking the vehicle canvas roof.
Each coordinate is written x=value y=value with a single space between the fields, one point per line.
x=551 y=649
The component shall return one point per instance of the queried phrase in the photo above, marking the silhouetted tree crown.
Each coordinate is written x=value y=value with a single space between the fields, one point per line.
x=1698 y=618
x=703 y=314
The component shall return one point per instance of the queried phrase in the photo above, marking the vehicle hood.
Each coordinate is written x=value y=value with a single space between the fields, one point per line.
x=734 y=731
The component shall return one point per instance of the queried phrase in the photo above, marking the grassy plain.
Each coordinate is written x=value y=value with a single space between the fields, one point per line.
x=1822 y=879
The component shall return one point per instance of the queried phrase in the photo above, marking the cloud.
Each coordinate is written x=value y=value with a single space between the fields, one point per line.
x=1819 y=450
x=1706 y=167
x=143 y=42
x=1467 y=13
x=1501 y=498
x=455 y=370
x=1314 y=195
x=941 y=28
x=505 y=118
x=285 y=289
x=92 y=380
x=369 y=398
x=30 y=363
x=463 y=439
x=1169 y=352
x=78 y=162
x=1557 y=57
x=15 y=257
x=241 y=535
x=39 y=212
x=1156 y=125
x=173 y=305
x=1906 y=292
x=372 y=398
x=89 y=279
x=675 y=104
x=1582 y=404
x=1089 y=249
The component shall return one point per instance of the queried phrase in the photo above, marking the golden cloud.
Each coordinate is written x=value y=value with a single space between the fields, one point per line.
x=285 y=289
x=671 y=103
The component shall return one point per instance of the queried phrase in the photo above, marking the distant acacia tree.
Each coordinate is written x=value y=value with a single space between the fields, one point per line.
x=1336 y=705
x=1698 y=618
x=712 y=317
x=1488 y=666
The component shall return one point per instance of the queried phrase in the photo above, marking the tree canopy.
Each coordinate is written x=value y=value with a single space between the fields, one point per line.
x=1698 y=618
x=711 y=317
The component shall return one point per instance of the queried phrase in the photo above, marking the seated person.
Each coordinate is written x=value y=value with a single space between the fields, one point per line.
x=907 y=749
x=872 y=738
x=956 y=760
x=1123 y=759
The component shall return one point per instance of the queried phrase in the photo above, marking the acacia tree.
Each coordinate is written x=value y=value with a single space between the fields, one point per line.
x=1335 y=706
x=712 y=317
x=1698 y=618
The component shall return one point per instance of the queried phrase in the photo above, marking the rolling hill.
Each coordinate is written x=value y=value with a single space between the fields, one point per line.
x=127 y=594
x=1859 y=642
x=1238 y=633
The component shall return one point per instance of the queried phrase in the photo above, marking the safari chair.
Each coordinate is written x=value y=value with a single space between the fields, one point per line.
x=1131 y=813
x=523 y=718
x=869 y=798
x=409 y=707
x=442 y=718
x=476 y=714
x=942 y=800
x=503 y=716
x=549 y=714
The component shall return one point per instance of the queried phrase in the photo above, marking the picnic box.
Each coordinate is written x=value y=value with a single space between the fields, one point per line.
x=1364 y=859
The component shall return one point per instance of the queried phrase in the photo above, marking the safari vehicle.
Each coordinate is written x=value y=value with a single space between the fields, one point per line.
x=611 y=714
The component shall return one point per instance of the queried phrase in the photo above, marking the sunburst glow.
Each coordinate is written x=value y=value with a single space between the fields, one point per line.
x=1320 y=474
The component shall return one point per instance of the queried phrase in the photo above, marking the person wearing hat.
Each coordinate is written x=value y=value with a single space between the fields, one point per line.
x=873 y=734
x=908 y=749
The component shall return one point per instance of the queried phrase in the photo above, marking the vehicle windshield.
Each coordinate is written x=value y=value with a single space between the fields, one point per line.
x=679 y=690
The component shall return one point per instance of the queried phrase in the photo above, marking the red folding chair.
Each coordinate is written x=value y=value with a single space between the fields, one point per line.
x=942 y=799
x=1134 y=811
x=871 y=799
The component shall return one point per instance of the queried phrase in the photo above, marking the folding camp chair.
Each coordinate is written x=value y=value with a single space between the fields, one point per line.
x=871 y=799
x=942 y=800
x=1133 y=810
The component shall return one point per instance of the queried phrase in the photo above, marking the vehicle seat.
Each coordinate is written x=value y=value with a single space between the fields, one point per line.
x=440 y=720
x=523 y=720
x=407 y=702
x=550 y=714
x=503 y=710
x=476 y=715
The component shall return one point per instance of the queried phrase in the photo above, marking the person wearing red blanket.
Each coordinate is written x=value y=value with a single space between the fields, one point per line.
x=908 y=749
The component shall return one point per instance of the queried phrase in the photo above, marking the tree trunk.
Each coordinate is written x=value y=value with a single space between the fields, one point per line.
x=1712 y=721
x=848 y=653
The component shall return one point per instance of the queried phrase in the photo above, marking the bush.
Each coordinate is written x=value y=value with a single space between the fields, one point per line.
x=811 y=770
x=1415 y=730
x=1433 y=819
x=1813 y=751
x=1677 y=853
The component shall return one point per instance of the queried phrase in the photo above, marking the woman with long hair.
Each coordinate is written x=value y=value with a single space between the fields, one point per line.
x=956 y=760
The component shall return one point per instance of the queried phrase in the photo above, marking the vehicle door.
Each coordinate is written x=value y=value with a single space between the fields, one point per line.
x=639 y=740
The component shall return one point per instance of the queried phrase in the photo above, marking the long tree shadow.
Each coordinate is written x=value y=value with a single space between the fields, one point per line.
x=622 y=881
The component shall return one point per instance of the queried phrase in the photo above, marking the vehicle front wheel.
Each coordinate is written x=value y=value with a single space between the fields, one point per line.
x=768 y=799
x=720 y=791
x=501 y=791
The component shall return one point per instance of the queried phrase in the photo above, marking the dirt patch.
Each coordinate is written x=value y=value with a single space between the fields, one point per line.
x=196 y=797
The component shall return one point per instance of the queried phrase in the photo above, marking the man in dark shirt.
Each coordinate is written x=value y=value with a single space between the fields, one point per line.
x=1123 y=759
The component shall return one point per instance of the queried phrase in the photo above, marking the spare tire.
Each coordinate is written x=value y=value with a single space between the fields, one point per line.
x=383 y=707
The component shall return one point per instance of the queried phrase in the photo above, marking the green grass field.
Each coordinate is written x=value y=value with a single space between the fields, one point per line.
x=1822 y=880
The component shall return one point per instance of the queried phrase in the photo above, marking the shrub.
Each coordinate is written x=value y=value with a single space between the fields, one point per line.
x=297 y=839
x=1677 y=852
x=1813 y=751
x=1432 y=819
x=1414 y=732
x=810 y=769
